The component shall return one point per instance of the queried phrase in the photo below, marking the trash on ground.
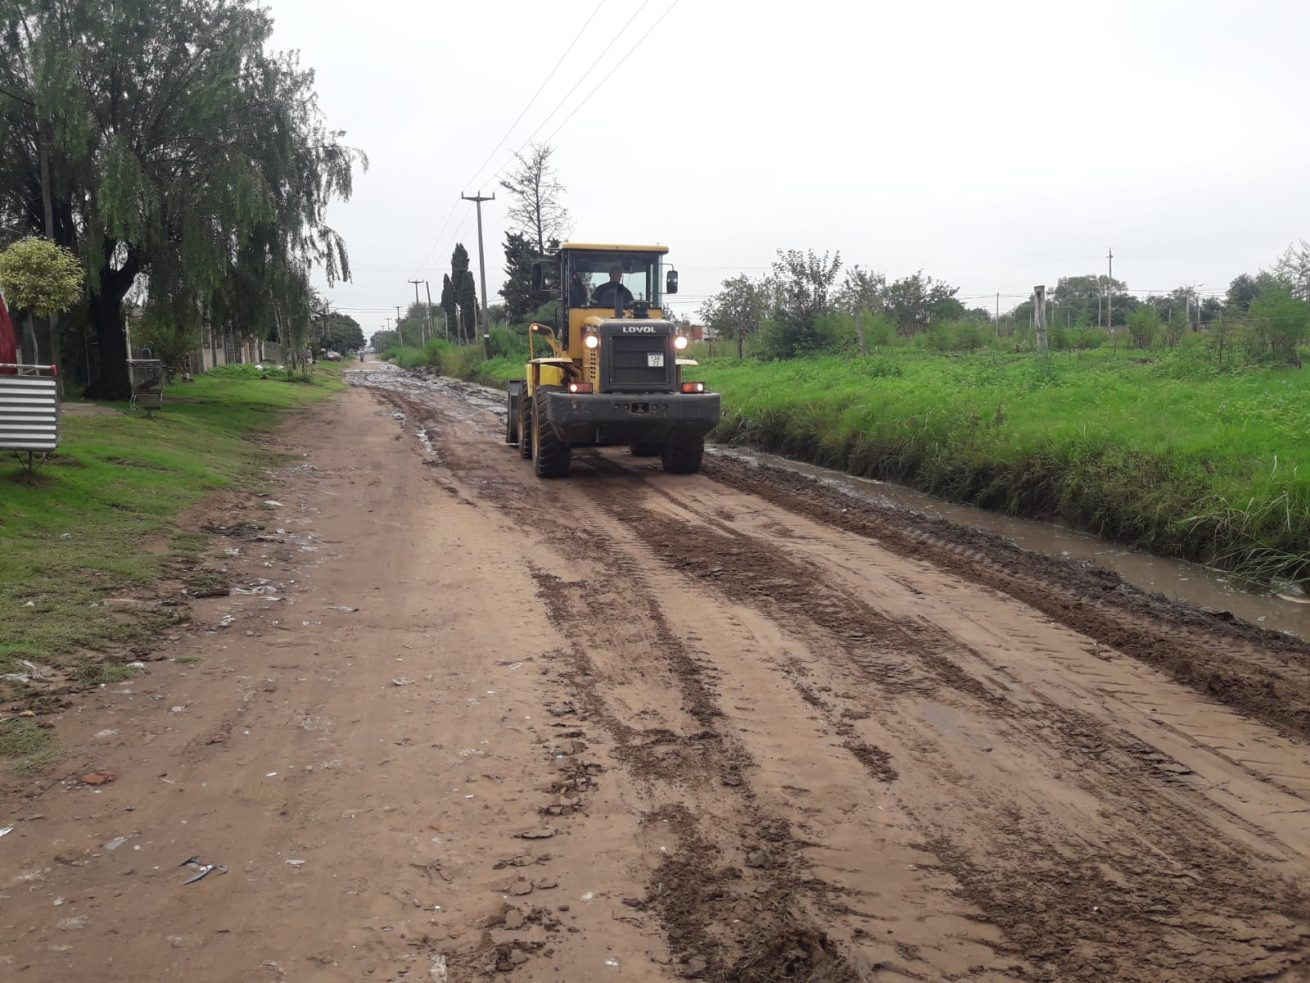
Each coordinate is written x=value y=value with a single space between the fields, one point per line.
x=401 y=681
x=101 y=776
x=295 y=863
x=201 y=870
x=118 y=841
x=6 y=830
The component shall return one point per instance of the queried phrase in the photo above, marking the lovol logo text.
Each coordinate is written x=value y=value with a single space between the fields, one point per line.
x=640 y=329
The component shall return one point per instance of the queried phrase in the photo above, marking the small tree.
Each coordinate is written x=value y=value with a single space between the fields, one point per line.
x=40 y=278
x=861 y=296
x=1282 y=322
x=735 y=312
x=1143 y=325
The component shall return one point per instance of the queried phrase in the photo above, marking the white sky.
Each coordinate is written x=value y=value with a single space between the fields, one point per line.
x=994 y=145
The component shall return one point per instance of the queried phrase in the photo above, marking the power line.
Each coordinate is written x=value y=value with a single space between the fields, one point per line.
x=621 y=62
x=582 y=78
x=453 y=207
x=478 y=173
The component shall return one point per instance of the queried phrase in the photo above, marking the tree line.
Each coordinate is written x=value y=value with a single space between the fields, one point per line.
x=806 y=303
x=188 y=168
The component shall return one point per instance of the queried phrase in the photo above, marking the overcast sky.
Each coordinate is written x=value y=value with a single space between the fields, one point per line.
x=994 y=145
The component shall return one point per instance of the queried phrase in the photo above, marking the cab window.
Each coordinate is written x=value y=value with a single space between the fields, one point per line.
x=592 y=275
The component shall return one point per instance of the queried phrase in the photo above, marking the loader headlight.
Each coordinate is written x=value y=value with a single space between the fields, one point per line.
x=591 y=340
x=680 y=342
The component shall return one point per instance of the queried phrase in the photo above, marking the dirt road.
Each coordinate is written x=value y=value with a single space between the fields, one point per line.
x=631 y=726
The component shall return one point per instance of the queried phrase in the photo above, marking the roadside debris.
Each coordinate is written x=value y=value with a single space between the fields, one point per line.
x=6 y=830
x=401 y=681
x=201 y=870
x=101 y=776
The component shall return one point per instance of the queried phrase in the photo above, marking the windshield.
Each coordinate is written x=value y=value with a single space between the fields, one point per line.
x=594 y=278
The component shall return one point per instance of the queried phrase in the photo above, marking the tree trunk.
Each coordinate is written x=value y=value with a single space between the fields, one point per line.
x=111 y=381
x=859 y=331
x=31 y=350
x=741 y=344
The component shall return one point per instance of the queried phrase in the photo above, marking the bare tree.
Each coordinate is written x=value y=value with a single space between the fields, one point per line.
x=537 y=209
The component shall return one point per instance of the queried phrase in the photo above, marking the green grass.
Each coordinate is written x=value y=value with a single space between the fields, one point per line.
x=100 y=518
x=33 y=746
x=1158 y=450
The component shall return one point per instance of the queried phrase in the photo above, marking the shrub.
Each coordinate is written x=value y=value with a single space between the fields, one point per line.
x=1143 y=326
x=1280 y=323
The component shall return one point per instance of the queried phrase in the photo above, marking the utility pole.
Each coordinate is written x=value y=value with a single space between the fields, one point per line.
x=399 y=334
x=417 y=303
x=998 y=313
x=482 y=270
x=1109 y=293
x=432 y=331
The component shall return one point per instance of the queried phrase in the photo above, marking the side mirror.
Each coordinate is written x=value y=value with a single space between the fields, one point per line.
x=671 y=282
x=538 y=278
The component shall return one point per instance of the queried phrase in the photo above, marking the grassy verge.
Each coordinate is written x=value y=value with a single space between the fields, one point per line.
x=99 y=520
x=1164 y=453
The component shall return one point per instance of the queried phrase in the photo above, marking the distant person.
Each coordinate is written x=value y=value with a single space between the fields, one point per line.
x=612 y=290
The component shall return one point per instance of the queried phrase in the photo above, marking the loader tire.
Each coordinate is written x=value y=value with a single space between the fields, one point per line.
x=525 y=427
x=682 y=455
x=551 y=453
x=512 y=422
x=646 y=450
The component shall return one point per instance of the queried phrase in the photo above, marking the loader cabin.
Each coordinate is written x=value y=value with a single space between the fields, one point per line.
x=594 y=277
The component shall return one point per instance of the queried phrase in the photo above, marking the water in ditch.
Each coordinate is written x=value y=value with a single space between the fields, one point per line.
x=1189 y=582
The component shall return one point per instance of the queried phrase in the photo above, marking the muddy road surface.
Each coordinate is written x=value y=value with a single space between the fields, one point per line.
x=457 y=723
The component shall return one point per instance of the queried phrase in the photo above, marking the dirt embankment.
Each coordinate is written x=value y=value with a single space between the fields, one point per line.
x=630 y=725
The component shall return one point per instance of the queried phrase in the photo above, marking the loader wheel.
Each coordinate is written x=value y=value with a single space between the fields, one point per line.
x=646 y=450
x=512 y=422
x=682 y=455
x=552 y=454
x=525 y=427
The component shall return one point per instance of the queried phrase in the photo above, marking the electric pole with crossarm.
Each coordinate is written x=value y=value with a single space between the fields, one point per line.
x=482 y=270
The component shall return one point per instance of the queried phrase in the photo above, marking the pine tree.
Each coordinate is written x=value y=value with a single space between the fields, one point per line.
x=466 y=295
x=448 y=304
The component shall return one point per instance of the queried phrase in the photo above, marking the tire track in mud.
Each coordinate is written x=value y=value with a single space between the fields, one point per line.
x=1270 y=681
x=1145 y=888
x=736 y=905
x=722 y=922
x=1045 y=885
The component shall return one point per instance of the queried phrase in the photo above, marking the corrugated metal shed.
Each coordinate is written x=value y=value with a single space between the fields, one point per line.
x=29 y=412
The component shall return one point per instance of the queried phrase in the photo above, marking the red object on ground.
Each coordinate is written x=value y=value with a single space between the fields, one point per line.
x=8 y=344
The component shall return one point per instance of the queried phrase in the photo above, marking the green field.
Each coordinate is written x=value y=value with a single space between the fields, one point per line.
x=100 y=518
x=1162 y=452
x=1161 y=449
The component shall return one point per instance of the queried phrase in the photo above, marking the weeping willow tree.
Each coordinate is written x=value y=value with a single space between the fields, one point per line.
x=162 y=140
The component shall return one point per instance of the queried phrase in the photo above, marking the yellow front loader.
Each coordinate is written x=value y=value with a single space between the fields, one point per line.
x=611 y=373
